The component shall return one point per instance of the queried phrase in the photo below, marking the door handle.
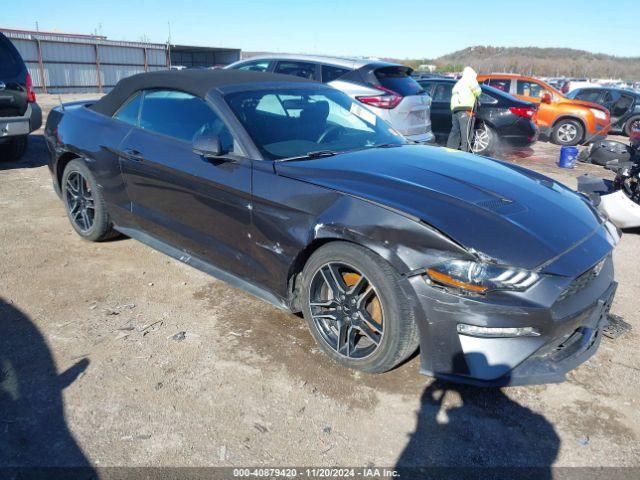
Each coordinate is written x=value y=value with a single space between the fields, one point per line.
x=134 y=154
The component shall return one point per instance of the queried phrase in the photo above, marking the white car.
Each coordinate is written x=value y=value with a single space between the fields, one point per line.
x=386 y=89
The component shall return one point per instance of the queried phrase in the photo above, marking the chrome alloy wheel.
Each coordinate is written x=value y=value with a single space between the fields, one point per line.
x=567 y=133
x=80 y=203
x=346 y=310
x=480 y=140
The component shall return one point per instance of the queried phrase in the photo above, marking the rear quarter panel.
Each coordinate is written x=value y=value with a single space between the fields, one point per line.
x=80 y=132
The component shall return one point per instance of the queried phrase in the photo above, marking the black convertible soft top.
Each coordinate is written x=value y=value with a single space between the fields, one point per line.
x=195 y=82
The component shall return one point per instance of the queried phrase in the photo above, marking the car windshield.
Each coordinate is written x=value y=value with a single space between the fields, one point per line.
x=289 y=123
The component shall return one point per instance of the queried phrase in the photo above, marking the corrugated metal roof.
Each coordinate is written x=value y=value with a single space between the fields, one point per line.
x=74 y=38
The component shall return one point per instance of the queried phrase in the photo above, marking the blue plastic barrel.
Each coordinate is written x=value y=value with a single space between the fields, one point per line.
x=568 y=156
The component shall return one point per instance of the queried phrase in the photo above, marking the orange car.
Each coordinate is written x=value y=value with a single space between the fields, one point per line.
x=562 y=120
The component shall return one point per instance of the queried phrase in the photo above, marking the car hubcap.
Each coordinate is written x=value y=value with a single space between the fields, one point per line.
x=481 y=140
x=567 y=133
x=346 y=310
x=80 y=201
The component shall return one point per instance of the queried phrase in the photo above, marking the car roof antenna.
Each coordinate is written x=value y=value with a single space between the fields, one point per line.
x=61 y=104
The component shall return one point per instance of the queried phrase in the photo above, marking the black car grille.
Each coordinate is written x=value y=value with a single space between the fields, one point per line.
x=582 y=281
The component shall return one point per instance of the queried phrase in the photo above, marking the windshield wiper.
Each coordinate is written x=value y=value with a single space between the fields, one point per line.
x=311 y=156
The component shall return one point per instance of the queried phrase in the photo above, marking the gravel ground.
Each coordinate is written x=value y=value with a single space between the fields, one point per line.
x=112 y=354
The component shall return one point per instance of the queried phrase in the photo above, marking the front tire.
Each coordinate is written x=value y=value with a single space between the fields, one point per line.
x=567 y=133
x=358 y=308
x=85 y=204
x=13 y=149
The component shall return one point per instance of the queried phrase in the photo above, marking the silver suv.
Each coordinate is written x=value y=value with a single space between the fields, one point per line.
x=387 y=89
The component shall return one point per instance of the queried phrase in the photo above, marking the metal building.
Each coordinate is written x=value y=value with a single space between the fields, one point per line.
x=64 y=62
x=60 y=62
x=206 y=57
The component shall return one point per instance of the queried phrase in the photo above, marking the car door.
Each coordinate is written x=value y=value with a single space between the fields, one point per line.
x=199 y=205
x=441 y=109
x=620 y=108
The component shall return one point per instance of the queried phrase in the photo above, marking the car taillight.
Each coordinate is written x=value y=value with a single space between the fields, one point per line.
x=524 y=112
x=388 y=99
x=31 y=95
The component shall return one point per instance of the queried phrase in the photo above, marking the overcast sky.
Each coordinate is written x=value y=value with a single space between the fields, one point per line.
x=390 y=28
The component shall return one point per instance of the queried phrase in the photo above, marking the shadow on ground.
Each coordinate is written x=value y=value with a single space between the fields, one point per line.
x=33 y=430
x=471 y=432
x=35 y=156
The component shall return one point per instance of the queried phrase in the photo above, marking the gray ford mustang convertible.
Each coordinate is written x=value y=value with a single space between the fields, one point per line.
x=296 y=193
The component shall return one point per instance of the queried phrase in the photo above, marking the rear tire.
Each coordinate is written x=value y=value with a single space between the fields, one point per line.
x=13 y=149
x=378 y=306
x=631 y=123
x=85 y=203
x=567 y=133
x=485 y=140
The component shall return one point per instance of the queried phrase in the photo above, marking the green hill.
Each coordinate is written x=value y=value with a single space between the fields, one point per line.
x=539 y=61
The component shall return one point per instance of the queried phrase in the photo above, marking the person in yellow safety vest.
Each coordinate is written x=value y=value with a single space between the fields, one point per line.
x=463 y=98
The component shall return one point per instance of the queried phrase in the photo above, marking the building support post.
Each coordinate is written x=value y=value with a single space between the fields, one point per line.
x=41 y=66
x=98 y=69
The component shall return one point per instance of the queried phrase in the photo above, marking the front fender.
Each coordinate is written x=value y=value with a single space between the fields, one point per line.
x=405 y=242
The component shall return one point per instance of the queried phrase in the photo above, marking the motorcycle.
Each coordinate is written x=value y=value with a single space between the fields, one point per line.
x=618 y=199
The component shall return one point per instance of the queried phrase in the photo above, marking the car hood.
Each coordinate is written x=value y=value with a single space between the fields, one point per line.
x=508 y=213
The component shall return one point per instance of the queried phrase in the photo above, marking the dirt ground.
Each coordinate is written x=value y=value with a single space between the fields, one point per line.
x=112 y=354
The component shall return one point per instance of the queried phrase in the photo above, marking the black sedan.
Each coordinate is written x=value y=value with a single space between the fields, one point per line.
x=624 y=106
x=298 y=194
x=501 y=120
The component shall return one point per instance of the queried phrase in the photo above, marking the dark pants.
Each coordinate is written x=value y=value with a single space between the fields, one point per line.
x=460 y=122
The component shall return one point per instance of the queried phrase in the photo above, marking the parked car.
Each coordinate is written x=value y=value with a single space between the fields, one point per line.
x=501 y=120
x=293 y=191
x=563 y=120
x=19 y=112
x=573 y=83
x=623 y=105
x=387 y=89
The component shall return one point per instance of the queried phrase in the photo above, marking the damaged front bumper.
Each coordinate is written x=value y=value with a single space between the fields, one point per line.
x=568 y=314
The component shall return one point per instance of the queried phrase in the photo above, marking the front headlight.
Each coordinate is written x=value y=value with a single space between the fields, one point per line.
x=599 y=114
x=479 y=277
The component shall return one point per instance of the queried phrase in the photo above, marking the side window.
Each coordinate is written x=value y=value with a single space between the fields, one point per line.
x=182 y=116
x=329 y=73
x=427 y=86
x=500 y=84
x=256 y=66
x=271 y=104
x=442 y=92
x=487 y=99
x=129 y=111
x=297 y=69
x=588 y=95
x=529 y=89
x=10 y=61
x=621 y=107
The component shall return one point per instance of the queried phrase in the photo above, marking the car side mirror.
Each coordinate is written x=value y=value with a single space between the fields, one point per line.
x=546 y=98
x=207 y=146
